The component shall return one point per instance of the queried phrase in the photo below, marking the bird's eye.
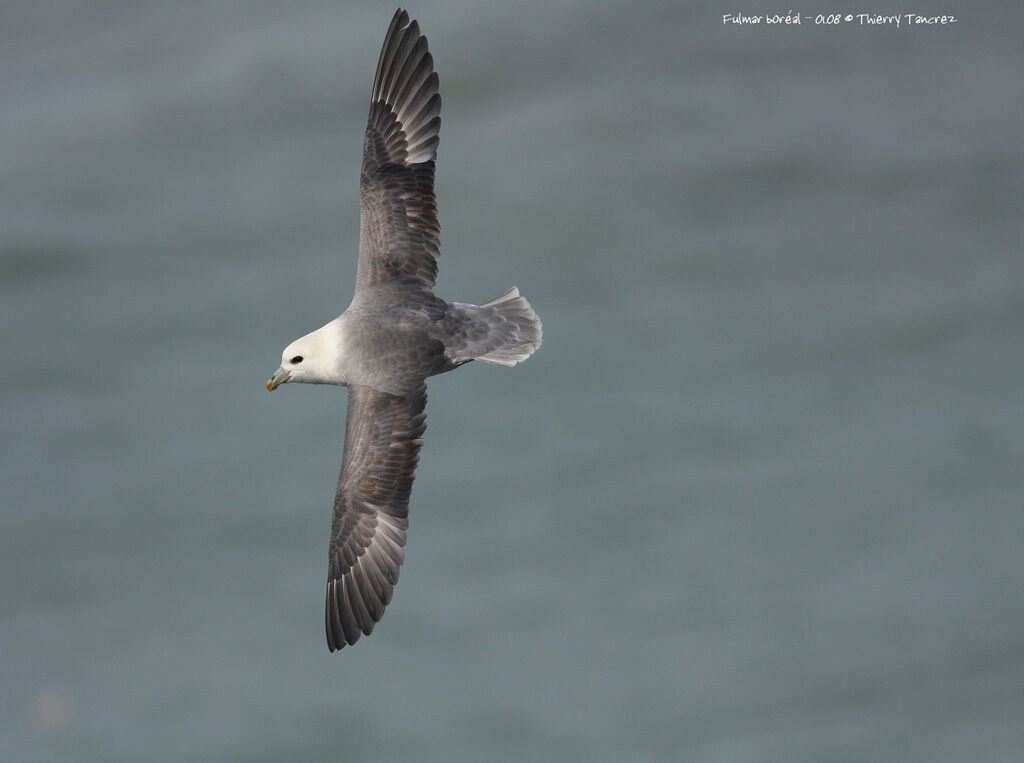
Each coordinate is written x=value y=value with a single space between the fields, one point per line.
x=296 y=359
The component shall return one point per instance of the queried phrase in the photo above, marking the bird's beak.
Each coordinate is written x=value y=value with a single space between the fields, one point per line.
x=280 y=376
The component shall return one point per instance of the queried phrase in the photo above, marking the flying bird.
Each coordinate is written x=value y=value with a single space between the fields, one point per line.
x=393 y=335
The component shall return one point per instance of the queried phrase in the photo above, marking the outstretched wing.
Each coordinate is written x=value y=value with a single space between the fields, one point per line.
x=399 y=232
x=371 y=508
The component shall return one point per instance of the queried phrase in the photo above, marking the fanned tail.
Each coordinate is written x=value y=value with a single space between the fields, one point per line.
x=504 y=331
x=517 y=329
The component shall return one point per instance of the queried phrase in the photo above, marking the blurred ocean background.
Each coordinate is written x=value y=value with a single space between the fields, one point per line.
x=759 y=496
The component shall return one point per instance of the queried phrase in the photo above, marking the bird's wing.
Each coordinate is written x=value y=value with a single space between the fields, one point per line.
x=371 y=507
x=399 y=232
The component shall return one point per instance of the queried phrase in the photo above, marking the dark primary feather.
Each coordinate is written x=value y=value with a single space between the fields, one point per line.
x=399 y=232
x=371 y=508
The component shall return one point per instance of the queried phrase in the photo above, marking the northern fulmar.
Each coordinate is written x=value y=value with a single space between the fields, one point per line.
x=393 y=335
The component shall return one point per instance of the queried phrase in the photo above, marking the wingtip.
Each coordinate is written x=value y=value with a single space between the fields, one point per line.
x=406 y=86
x=401 y=17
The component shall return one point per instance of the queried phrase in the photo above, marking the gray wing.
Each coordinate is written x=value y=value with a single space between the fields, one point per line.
x=399 y=232
x=371 y=508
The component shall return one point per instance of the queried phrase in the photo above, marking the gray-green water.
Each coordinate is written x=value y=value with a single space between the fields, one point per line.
x=758 y=497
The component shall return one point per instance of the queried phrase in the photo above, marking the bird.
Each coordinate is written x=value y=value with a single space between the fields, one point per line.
x=394 y=334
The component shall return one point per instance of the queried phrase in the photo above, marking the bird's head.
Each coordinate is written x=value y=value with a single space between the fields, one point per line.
x=313 y=359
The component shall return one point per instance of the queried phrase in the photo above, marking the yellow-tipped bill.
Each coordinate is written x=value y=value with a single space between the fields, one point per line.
x=280 y=376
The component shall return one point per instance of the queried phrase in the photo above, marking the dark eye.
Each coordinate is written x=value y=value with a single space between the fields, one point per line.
x=296 y=359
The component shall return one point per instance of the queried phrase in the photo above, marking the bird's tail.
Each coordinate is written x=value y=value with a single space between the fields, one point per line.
x=517 y=325
x=504 y=331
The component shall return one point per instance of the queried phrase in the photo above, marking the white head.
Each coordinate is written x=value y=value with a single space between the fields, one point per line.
x=313 y=359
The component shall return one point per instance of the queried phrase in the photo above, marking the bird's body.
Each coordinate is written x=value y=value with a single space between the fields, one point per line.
x=395 y=333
